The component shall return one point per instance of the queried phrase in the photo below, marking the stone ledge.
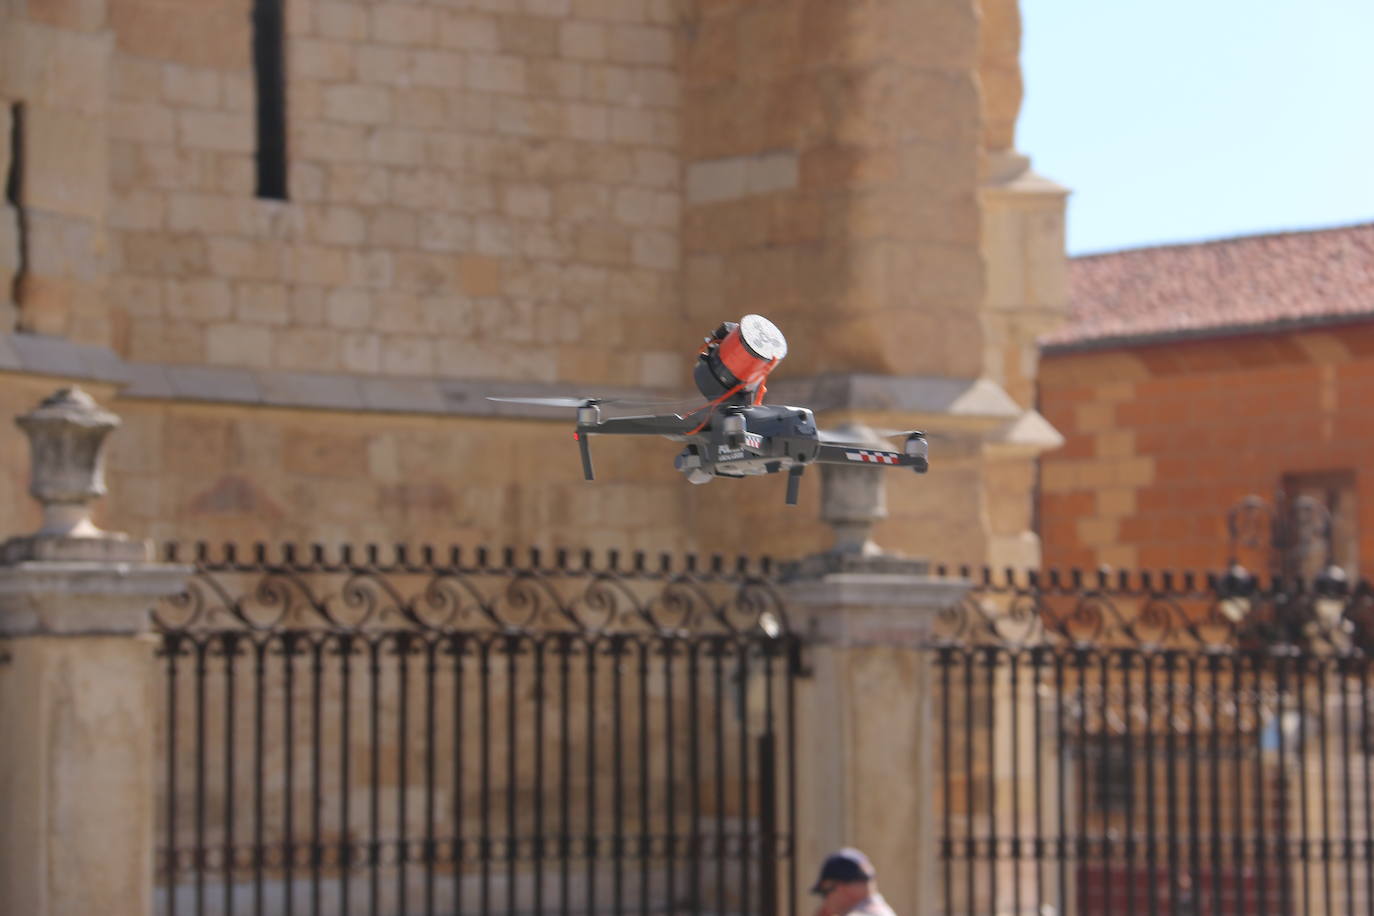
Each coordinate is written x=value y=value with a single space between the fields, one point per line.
x=110 y=547
x=43 y=355
x=74 y=597
x=859 y=602
x=975 y=399
x=820 y=565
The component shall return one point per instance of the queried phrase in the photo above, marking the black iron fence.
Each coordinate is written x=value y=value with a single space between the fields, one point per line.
x=419 y=733
x=548 y=734
x=1155 y=745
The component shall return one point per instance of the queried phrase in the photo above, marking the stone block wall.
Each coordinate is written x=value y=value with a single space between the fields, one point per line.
x=832 y=155
x=256 y=474
x=53 y=240
x=560 y=193
x=475 y=190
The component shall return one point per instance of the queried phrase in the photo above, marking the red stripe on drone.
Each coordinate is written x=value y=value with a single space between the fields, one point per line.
x=873 y=457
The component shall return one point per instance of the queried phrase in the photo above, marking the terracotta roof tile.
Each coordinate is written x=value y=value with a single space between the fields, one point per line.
x=1215 y=287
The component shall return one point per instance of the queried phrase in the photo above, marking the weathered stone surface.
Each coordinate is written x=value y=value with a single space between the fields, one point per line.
x=541 y=189
x=78 y=774
x=869 y=615
x=1000 y=72
x=66 y=436
x=66 y=164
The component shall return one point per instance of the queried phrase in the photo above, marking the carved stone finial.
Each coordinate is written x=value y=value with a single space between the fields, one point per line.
x=854 y=498
x=67 y=438
x=67 y=441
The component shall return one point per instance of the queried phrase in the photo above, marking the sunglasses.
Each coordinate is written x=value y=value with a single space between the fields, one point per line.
x=824 y=890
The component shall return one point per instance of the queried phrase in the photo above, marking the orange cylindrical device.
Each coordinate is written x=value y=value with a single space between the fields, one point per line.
x=739 y=355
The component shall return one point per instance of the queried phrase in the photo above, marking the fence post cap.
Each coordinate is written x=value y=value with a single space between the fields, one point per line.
x=854 y=601
x=84 y=597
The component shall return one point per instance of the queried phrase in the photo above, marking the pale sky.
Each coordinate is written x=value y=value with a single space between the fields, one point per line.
x=1182 y=120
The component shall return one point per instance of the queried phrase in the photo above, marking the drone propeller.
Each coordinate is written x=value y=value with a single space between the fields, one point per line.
x=588 y=402
x=552 y=402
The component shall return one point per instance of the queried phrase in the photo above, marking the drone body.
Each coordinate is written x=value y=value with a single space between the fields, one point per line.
x=735 y=434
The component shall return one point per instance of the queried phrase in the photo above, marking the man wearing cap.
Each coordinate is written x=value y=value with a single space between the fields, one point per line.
x=847 y=886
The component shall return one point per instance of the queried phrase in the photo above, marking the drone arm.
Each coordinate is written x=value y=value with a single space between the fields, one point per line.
x=662 y=425
x=667 y=425
x=857 y=455
x=794 y=475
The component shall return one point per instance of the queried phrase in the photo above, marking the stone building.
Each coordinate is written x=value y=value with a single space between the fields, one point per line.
x=1190 y=377
x=293 y=243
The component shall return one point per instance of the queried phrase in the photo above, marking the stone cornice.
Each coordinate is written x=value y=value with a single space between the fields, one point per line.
x=980 y=401
x=38 y=354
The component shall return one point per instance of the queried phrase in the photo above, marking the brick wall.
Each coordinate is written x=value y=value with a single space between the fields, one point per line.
x=1161 y=441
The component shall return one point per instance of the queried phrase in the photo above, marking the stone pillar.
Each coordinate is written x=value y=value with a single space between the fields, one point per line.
x=865 y=741
x=78 y=707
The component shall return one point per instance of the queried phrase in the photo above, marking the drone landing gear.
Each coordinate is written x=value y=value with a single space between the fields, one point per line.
x=794 y=474
x=585 y=448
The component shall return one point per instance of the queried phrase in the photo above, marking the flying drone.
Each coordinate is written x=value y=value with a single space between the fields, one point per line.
x=734 y=434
